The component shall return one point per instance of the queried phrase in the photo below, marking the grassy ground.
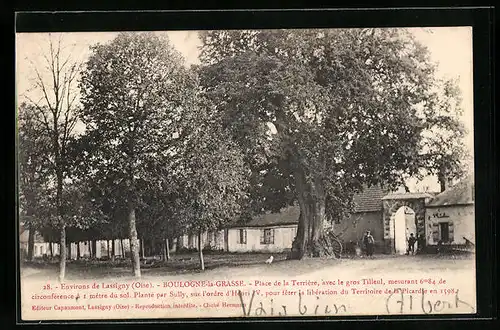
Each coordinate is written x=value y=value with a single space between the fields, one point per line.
x=248 y=264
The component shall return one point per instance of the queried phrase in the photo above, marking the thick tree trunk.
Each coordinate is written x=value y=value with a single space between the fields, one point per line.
x=112 y=250
x=310 y=240
x=152 y=245
x=164 y=251
x=167 y=245
x=62 y=255
x=108 y=248
x=122 y=248
x=31 y=243
x=142 y=247
x=299 y=245
x=226 y=239
x=442 y=180
x=94 y=249
x=200 y=251
x=77 y=250
x=136 y=265
x=442 y=184
x=51 y=247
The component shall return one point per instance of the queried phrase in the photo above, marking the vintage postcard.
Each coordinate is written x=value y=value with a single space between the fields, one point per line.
x=246 y=173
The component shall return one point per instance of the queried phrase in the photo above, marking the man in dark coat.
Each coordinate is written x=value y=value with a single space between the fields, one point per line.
x=369 y=243
x=411 y=244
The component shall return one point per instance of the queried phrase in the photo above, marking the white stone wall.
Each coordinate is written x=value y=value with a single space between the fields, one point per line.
x=460 y=219
x=283 y=239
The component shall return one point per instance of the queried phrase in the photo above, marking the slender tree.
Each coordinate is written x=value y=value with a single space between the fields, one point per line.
x=54 y=99
x=135 y=91
x=441 y=145
x=213 y=181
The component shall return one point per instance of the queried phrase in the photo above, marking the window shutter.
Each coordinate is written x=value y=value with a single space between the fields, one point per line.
x=451 y=231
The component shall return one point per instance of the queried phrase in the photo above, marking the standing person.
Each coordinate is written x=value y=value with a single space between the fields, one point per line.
x=411 y=244
x=420 y=244
x=369 y=242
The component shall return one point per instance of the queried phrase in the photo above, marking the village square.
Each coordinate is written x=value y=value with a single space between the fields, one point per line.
x=446 y=221
x=242 y=152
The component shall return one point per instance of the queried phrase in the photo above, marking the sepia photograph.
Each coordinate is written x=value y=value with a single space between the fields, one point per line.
x=246 y=173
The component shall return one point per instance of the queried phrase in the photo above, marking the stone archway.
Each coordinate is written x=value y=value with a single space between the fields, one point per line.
x=404 y=226
x=391 y=204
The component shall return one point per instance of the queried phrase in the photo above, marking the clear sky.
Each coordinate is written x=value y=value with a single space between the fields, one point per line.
x=449 y=47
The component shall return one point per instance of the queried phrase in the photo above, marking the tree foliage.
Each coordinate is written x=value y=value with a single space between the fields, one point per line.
x=136 y=96
x=441 y=147
x=134 y=90
x=53 y=97
x=33 y=165
x=268 y=119
x=333 y=109
x=33 y=176
x=214 y=180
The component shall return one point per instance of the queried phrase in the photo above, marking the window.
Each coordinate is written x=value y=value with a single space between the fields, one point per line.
x=444 y=229
x=242 y=236
x=294 y=232
x=267 y=236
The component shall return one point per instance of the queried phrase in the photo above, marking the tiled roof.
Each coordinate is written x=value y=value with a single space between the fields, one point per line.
x=407 y=195
x=370 y=200
x=287 y=216
x=459 y=194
